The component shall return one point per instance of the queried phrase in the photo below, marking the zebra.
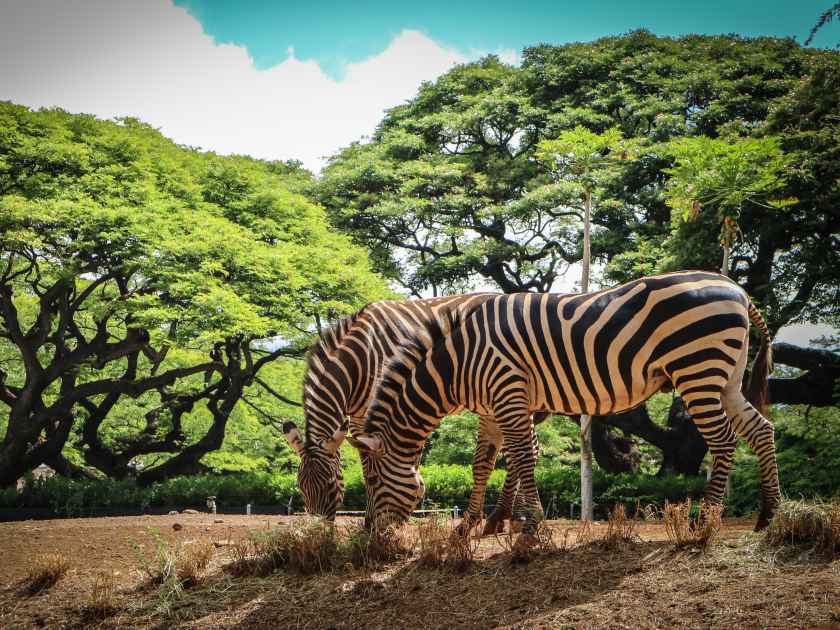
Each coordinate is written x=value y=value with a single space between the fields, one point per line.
x=596 y=353
x=342 y=368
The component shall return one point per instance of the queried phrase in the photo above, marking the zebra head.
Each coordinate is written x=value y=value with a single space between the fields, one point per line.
x=319 y=476
x=394 y=485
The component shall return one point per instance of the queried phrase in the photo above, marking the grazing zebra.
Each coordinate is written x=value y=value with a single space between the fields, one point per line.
x=341 y=373
x=595 y=353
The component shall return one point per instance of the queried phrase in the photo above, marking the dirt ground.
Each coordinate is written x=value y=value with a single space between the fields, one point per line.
x=736 y=584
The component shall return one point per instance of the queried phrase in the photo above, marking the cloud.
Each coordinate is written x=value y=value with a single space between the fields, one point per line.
x=153 y=61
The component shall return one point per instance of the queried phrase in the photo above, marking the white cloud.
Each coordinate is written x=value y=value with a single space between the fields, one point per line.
x=153 y=61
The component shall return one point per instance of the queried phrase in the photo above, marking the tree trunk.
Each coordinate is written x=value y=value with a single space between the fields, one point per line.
x=614 y=453
x=586 y=503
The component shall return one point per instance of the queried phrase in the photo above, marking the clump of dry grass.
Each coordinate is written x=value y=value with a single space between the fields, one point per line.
x=441 y=544
x=306 y=545
x=45 y=572
x=621 y=530
x=173 y=567
x=804 y=523
x=685 y=530
x=102 y=599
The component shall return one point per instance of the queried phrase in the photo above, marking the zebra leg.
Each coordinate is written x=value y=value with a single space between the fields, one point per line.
x=511 y=504
x=504 y=506
x=519 y=447
x=486 y=449
x=518 y=503
x=705 y=406
x=758 y=432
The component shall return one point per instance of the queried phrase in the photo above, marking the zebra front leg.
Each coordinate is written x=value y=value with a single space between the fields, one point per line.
x=519 y=506
x=487 y=447
x=519 y=448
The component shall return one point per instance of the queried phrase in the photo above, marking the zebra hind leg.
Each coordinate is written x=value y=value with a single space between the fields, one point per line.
x=758 y=432
x=706 y=409
x=503 y=509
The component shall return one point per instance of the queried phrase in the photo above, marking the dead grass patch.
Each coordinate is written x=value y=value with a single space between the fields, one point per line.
x=102 y=599
x=441 y=544
x=814 y=525
x=46 y=570
x=173 y=567
x=621 y=529
x=686 y=530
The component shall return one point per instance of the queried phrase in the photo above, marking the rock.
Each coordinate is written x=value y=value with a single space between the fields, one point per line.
x=190 y=511
x=218 y=520
x=177 y=527
x=172 y=512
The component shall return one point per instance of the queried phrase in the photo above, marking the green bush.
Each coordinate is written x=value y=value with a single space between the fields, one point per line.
x=70 y=497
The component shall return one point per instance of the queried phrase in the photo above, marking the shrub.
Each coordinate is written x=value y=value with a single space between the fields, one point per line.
x=45 y=572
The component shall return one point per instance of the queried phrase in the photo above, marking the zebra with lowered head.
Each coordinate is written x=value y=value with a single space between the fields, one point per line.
x=342 y=369
x=595 y=353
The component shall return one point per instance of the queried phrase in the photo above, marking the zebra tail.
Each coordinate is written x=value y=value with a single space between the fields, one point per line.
x=757 y=389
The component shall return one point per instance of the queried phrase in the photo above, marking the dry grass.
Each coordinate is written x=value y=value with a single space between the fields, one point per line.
x=102 y=600
x=440 y=544
x=174 y=567
x=621 y=530
x=45 y=572
x=312 y=545
x=815 y=525
x=687 y=531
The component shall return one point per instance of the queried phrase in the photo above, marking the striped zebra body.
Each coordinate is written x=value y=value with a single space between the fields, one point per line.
x=596 y=353
x=342 y=370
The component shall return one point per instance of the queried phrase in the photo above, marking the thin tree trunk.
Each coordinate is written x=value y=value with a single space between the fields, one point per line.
x=586 y=505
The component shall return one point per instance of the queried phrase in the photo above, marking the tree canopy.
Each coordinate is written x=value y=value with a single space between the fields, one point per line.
x=131 y=267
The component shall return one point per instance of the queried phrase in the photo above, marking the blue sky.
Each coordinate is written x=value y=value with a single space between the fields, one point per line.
x=335 y=33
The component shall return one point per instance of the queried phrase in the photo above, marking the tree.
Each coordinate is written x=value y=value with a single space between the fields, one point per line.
x=825 y=17
x=131 y=268
x=580 y=159
x=724 y=176
x=448 y=193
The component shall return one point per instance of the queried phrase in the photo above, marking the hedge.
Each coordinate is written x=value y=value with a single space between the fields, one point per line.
x=446 y=486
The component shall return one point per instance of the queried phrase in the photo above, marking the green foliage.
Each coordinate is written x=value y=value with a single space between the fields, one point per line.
x=170 y=255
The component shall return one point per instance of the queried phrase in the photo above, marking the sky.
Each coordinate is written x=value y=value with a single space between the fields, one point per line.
x=300 y=80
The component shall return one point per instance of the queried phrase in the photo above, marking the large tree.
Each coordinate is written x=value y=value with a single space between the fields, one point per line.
x=448 y=193
x=132 y=269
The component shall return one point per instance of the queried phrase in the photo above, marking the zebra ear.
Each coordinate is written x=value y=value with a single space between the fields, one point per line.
x=335 y=441
x=369 y=444
x=292 y=434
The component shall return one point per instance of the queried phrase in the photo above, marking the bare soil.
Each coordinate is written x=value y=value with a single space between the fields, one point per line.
x=737 y=583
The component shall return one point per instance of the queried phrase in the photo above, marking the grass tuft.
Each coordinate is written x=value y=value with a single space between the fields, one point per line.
x=46 y=570
x=174 y=567
x=815 y=525
x=621 y=530
x=686 y=530
x=102 y=600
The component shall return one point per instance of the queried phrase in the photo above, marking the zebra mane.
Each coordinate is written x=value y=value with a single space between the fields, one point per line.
x=415 y=348
x=327 y=343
